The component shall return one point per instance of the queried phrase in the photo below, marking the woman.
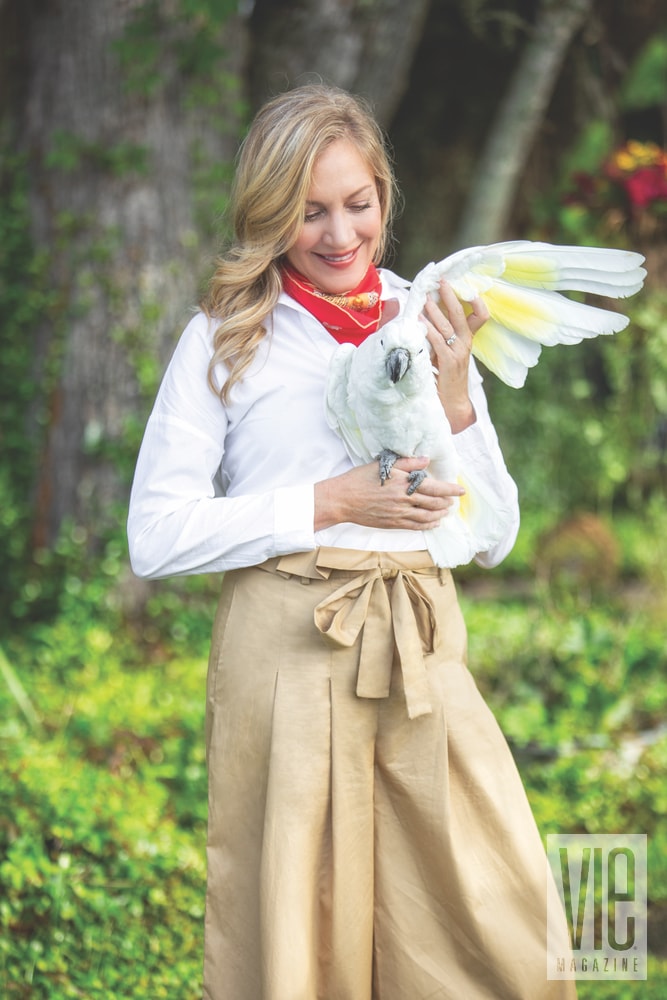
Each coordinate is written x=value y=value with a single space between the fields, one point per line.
x=354 y=852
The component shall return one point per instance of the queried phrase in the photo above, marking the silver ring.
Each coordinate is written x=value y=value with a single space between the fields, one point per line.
x=451 y=340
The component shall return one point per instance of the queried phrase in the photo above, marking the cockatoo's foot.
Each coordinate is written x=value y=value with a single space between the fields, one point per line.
x=387 y=460
x=416 y=479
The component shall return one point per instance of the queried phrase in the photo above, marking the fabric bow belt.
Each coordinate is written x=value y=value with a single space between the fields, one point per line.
x=381 y=602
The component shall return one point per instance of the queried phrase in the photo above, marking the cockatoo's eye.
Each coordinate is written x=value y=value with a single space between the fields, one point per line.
x=421 y=351
x=381 y=342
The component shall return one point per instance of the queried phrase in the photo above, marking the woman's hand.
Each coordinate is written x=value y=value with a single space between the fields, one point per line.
x=359 y=497
x=450 y=333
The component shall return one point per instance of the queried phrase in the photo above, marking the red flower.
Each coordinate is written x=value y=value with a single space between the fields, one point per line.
x=645 y=185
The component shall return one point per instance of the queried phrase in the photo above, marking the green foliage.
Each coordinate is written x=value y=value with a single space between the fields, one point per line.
x=652 y=989
x=560 y=680
x=555 y=216
x=579 y=687
x=70 y=153
x=187 y=36
x=25 y=296
x=103 y=794
x=139 y=50
x=188 y=43
x=646 y=83
x=212 y=183
x=200 y=22
x=586 y=431
x=91 y=862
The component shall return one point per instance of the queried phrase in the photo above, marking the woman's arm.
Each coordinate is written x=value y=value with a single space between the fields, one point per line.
x=179 y=521
x=451 y=331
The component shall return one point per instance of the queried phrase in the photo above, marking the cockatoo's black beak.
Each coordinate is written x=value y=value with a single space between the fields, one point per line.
x=397 y=363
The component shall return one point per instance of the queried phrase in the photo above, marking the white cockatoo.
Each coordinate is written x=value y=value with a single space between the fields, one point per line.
x=382 y=398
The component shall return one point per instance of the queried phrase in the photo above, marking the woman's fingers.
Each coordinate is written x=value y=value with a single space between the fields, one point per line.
x=430 y=490
x=363 y=499
x=423 y=507
x=451 y=317
x=479 y=315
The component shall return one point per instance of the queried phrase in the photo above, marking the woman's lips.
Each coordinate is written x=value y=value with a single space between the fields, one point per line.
x=337 y=260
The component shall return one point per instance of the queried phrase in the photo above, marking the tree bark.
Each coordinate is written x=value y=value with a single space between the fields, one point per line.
x=365 y=46
x=114 y=203
x=498 y=172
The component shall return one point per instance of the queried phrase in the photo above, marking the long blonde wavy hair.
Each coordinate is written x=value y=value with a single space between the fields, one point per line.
x=273 y=177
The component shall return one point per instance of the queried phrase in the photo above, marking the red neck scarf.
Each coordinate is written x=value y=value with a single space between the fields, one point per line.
x=349 y=318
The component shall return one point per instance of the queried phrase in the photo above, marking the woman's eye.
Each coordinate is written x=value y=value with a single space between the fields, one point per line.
x=360 y=208
x=311 y=216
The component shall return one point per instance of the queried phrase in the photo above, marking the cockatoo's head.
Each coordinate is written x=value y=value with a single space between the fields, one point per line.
x=405 y=351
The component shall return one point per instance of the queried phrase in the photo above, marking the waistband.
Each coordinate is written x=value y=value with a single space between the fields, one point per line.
x=382 y=602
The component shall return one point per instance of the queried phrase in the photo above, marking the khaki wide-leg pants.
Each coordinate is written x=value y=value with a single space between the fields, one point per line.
x=369 y=835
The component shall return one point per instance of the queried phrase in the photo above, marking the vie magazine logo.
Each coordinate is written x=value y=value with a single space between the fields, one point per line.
x=601 y=894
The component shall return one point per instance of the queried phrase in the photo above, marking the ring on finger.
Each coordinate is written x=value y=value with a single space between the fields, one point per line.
x=450 y=340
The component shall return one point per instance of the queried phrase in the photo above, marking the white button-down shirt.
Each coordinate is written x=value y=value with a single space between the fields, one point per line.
x=220 y=487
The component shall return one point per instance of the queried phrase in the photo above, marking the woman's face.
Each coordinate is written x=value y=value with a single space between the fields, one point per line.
x=342 y=223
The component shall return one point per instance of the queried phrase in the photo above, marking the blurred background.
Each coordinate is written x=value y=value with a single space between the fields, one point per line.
x=119 y=123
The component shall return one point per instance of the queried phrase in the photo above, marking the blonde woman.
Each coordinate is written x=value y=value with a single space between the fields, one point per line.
x=361 y=846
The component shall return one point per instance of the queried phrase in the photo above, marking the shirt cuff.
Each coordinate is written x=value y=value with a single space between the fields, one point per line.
x=294 y=519
x=471 y=442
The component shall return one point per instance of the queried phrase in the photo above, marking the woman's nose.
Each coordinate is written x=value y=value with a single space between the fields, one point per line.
x=339 y=229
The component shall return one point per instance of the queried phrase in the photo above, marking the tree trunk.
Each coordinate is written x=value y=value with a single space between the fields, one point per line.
x=128 y=123
x=498 y=172
x=114 y=144
x=365 y=46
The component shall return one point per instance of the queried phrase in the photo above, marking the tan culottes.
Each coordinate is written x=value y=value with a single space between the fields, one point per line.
x=369 y=835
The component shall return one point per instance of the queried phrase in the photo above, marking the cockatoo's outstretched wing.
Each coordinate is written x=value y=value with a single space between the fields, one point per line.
x=520 y=283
